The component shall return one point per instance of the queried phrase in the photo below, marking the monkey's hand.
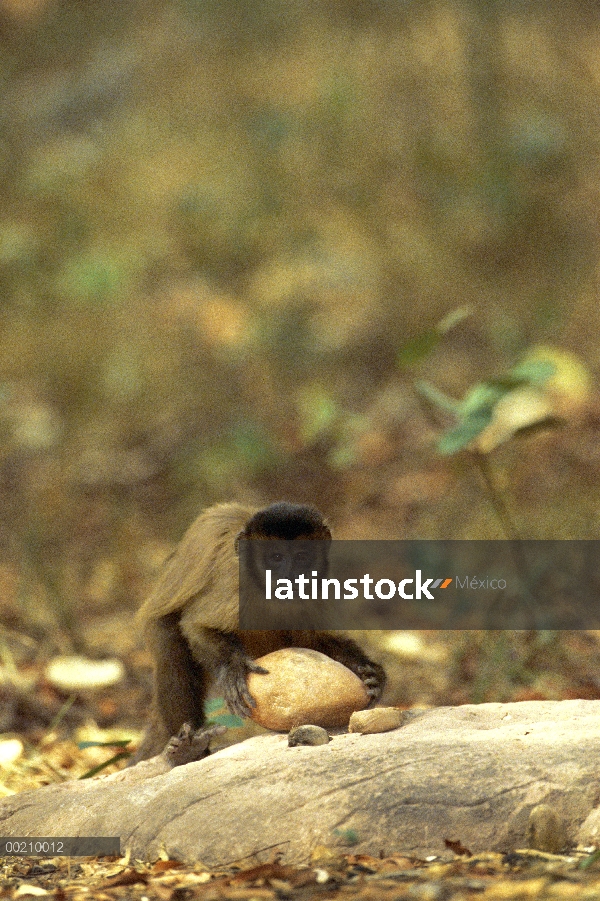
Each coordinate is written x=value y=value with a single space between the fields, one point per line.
x=190 y=744
x=232 y=680
x=373 y=678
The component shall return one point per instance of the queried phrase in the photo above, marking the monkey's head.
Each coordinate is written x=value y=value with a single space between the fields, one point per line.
x=293 y=540
x=287 y=522
x=277 y=526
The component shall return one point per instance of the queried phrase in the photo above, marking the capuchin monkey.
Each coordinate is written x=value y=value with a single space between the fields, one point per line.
x=191 y=618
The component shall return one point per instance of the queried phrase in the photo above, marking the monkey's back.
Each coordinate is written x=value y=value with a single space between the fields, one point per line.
x=203 y=569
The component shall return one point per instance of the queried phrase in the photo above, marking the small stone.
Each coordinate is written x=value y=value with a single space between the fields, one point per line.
x=546 y=830
x=304 y=687
x=380 y=719
x=308 y=735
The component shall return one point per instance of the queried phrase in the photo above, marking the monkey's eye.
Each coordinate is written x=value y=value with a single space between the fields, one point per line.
x=276 y=558
x=302 y=557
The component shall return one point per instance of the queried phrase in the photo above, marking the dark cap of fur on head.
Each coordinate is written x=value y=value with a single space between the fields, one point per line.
x=287 y=521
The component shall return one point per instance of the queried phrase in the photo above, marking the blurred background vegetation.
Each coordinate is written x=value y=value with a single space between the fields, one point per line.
x=231 y=236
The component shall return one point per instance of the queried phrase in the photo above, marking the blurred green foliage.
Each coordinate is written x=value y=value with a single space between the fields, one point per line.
x=476 y=410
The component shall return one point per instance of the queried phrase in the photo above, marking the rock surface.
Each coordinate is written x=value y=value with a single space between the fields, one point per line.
x=472 y=774
x=304 y=687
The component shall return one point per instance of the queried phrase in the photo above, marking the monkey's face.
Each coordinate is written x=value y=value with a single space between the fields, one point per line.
x=284 y=542
x=287 y=559
x=275 y=584
x=293 y=541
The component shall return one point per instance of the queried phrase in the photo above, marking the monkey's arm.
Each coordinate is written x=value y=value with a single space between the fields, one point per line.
x=179 y=687
x=224 y=657
x=180 y=680
x=346 y=651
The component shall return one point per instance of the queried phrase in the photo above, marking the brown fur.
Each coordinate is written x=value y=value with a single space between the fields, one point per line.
x=191 y=619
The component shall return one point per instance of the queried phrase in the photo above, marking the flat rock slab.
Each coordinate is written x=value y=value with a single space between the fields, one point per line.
x=470 y=774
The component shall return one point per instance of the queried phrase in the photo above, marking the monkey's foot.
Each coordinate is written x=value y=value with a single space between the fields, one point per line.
x=373 y=678
x=235 y=687
x=190 y=744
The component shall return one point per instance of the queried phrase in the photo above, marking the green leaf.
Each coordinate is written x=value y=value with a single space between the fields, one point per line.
x=476 y=410
x=348 y=836
x=475 y=413
x=122 y=743
x=461 y=435
x=587 y=862
x=438 y=398
x=98 y=769
x=454 y=318
x=230 y=720
x=533 y=372
x=481 y=399
x=214 y=704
